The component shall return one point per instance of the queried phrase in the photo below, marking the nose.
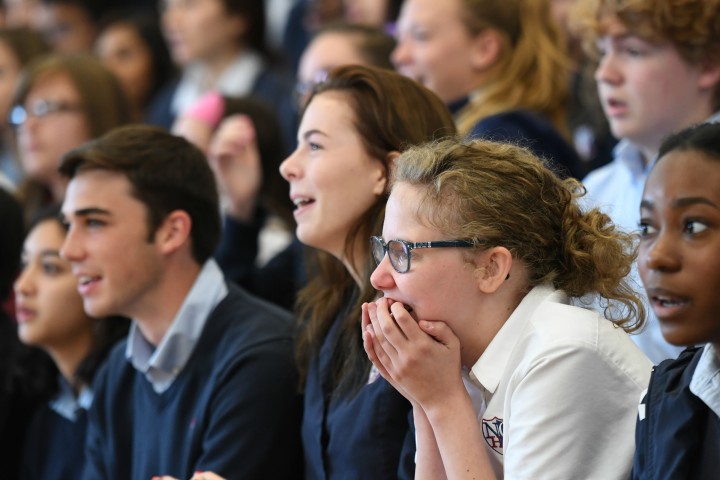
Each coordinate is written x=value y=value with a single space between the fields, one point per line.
x=608 y=70
x=382 y=277
x=71 y=248
x=400 y=55
x=24 y=285
x=661 y=254
x=290 y=167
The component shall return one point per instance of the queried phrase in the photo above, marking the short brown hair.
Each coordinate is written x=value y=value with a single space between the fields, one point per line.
x=166 y=172
x=691 y=26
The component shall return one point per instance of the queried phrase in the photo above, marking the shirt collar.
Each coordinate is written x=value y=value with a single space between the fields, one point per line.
x=705 y=383
x=490 y=367
x=238 y=79
x=66 y=404
x=163 y=364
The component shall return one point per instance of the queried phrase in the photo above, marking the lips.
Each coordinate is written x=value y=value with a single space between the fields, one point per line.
x=87 y=283
x=24 y=314
x=666 y=303
x=615 y=107
x=302 y=203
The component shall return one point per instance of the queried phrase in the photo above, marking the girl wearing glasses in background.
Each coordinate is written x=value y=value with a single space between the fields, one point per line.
x=506 y=378
x=60 y=103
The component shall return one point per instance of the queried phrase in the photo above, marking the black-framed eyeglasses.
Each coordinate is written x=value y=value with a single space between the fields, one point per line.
x=40 y=108
x=399 y=250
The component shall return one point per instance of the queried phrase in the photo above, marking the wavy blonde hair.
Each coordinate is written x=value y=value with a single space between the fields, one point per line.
x=496 y=194
x=533 y=69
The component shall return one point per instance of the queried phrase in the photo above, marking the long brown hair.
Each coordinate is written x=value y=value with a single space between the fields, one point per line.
x=391 y=113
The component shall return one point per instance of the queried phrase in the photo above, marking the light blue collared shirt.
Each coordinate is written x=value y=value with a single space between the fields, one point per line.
x=163 y=364
x=705 y=383
x=66 y=404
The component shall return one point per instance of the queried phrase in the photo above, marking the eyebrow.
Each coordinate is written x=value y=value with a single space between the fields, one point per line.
x=84 y=212
x=307 y=134
x=682 y=202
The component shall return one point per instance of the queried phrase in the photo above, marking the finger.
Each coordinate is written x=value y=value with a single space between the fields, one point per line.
x=440 y=331
x=406 y=322
x=389 y=326
x=379 y=333
x=376 y=354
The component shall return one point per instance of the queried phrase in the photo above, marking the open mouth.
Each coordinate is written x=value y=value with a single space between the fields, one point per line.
x=302 y=202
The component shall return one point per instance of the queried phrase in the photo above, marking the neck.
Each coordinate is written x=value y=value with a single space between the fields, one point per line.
x=220 y=61
x=68 y=356
x=156 y=312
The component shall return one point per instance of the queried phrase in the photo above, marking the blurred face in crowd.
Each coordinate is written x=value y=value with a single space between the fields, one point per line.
x=55 y=123
x=435 y=48
x=66 y=27
x=367 y=12
x=201 y=30
x=679 y=255
x=127 y=56
x=9 y=75
x=333 y=180
x=647 y=89
x=49 y=310
x=325 y=52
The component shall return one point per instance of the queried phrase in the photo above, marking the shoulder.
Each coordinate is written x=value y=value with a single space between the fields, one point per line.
x=602 y=174
x=674 y=375
x=559 y=329
x=531 y=130
x=242 y=321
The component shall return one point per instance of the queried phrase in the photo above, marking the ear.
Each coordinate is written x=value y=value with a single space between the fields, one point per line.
x=385 y=174
x=709 y=74
x=493 y=268
x=486 y=49
x=174 y=232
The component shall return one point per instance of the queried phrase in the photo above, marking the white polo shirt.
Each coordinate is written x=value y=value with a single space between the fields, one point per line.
x=556 y=392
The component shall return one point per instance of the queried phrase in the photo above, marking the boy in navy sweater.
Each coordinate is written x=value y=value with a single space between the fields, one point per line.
x=206 y=379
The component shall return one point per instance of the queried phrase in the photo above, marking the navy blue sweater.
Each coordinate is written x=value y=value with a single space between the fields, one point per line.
x=234 y=408
x=54 y=446
x=680 y=435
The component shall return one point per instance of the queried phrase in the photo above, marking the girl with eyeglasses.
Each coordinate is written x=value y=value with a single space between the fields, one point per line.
x=483 y=255
x=61 y=102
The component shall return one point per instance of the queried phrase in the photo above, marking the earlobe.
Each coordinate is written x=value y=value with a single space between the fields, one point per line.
x=174 y=231
x=710 y=75
x=495 y=269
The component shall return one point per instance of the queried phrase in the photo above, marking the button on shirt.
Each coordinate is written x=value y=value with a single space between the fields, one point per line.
x=161 y=366
x=556 y=392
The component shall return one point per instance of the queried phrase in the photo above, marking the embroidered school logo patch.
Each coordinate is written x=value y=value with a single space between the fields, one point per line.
x=492 y=431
